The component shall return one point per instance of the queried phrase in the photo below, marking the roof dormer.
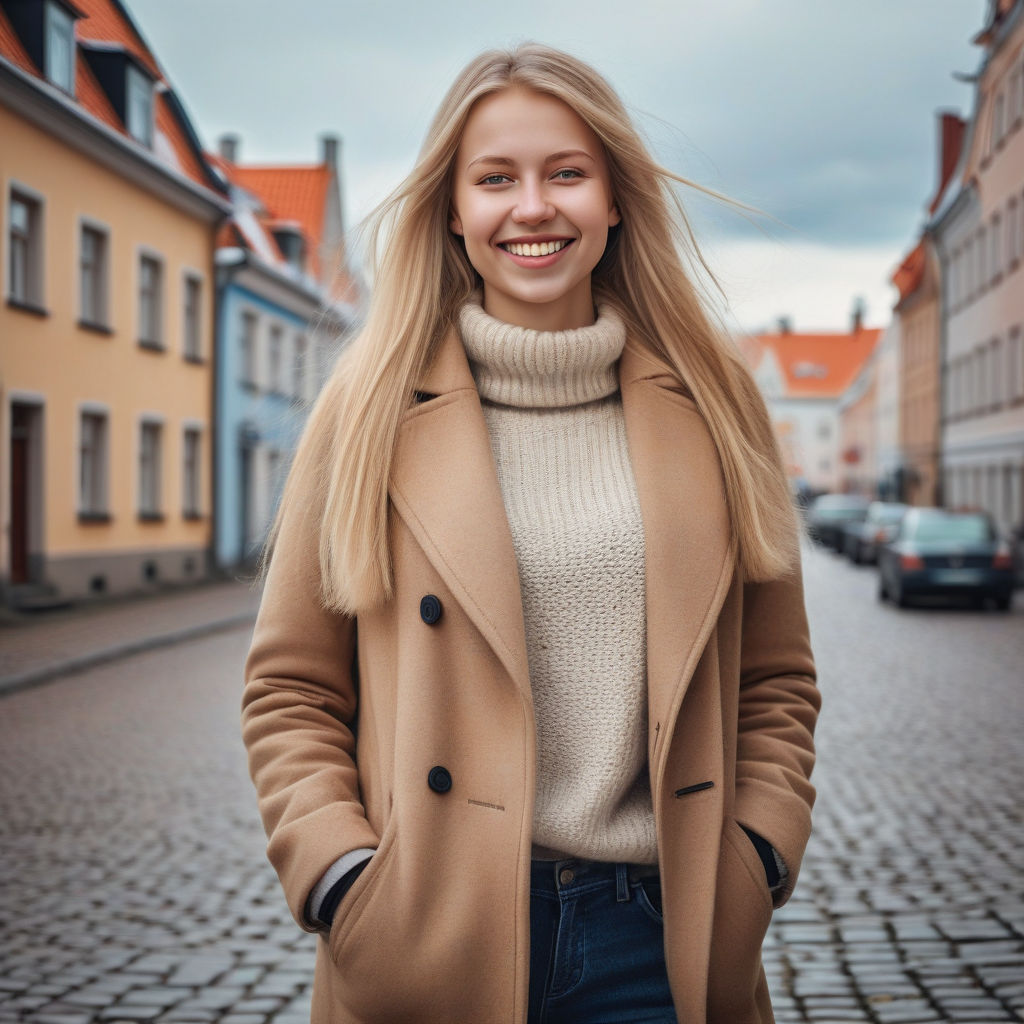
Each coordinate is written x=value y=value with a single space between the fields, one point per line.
x=291 y=241
x=46 y=29
x=129 y=86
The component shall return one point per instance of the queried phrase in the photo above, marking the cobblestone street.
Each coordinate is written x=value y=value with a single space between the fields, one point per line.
x=135 y=886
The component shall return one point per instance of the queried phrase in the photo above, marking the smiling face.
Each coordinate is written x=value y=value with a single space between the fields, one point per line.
x=532 y=200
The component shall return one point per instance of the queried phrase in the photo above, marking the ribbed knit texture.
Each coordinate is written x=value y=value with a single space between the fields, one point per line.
x=553 y=409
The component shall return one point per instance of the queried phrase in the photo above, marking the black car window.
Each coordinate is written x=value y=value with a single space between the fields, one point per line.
x=956 y=529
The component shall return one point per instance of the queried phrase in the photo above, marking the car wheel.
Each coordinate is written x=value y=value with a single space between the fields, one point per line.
x=1003 y=602
x=899 y=597
x=883 y=594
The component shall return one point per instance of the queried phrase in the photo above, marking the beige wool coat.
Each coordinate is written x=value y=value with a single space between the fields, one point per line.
x=344 y=721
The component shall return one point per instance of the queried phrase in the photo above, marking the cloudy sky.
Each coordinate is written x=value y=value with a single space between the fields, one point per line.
x=821 y=113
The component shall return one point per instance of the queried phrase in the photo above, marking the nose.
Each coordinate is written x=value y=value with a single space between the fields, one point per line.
x=532 y=206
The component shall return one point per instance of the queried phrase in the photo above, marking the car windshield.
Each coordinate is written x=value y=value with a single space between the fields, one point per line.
x=957 y=529
x=835 y=506
x=886 y=513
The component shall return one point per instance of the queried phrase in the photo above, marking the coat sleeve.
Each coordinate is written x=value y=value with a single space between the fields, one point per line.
x=778 y=708
x=298 y=713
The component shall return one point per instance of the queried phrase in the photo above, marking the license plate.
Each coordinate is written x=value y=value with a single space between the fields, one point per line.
x=958 y=576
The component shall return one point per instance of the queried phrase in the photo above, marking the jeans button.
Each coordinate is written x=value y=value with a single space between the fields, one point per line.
x=566 y=876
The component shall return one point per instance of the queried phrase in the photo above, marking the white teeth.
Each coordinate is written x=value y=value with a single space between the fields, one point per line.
x=535 y=248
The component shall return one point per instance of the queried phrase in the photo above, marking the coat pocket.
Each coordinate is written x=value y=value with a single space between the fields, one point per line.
x=743 y=910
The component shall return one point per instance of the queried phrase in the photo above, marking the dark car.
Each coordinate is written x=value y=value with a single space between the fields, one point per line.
x=861 y=538
x=828 y=515
x=945 y=554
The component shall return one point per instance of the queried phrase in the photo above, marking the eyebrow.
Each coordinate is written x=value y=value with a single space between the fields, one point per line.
x=504 y=161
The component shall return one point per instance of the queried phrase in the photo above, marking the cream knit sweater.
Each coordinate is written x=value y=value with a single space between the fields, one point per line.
x=553 y=409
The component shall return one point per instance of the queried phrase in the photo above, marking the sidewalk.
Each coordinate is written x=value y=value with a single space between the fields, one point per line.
x=41 y=647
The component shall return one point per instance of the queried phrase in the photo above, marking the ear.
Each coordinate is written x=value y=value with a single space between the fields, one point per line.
x=614 y=217
x=455 y=223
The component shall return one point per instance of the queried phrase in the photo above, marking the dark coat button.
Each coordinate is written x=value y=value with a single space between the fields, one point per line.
x=430 y=609
x=439 y=779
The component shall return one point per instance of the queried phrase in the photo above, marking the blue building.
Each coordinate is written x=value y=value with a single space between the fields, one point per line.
x=285 y=300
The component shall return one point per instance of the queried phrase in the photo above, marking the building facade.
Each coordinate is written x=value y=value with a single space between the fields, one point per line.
x=285 y=303
x=978 y=232
x=108 y=217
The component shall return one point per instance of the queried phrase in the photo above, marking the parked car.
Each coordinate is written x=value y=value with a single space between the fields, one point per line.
x=828 y=515
x=940 y=553
x=862 y=537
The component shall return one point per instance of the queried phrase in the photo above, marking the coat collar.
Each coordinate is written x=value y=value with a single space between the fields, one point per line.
x=445 y=487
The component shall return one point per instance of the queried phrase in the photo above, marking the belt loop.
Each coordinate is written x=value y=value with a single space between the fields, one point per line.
x=622 y=883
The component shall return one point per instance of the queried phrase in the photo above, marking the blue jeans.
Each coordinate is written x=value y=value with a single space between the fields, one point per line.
x=597 y=949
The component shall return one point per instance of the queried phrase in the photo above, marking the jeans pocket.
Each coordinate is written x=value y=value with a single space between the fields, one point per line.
x=648 y=895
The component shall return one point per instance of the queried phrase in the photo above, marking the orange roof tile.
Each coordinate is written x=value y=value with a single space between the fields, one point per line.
x=291 y=194
x=910 y=273
x=820 y=365
x=11 y=48
x=103 y=23
x=92 y=97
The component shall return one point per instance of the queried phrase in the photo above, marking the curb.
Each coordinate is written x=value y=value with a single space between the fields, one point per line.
x=36 y=676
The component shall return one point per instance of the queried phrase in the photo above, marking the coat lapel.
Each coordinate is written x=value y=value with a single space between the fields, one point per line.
x=445 y=487
x=689 y=549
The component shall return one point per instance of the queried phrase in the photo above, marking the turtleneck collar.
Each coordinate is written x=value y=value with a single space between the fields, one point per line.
x=518 y=366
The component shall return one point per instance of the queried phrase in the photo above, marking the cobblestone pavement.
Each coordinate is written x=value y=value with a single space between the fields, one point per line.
x=135 y=887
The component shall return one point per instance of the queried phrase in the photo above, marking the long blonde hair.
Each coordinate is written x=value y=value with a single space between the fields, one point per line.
x=422 y=277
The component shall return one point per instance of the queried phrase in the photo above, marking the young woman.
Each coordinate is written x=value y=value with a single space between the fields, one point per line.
x=530 y=700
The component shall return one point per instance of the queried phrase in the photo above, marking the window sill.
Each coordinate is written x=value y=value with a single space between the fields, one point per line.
x=151 y=517
x=193 y=517
x=194 y=360
x=95 y=518
x=151 y=346
x=27 y=307
x=89 y=325
x=246 y=385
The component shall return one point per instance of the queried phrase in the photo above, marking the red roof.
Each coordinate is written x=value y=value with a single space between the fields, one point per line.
x=910 y=273
x=816 y=365
x=295 y=194
x=104 y=22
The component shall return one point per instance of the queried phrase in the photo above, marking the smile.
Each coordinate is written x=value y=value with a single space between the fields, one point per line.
x=534 y=248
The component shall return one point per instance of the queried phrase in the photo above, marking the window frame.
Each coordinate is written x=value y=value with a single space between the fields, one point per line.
x=34 y=297
x=137 y=83
x=192 y=340
x=146 y=256
x=55 y=18
x=248 y=349
x=192 y=470
x=101 y=321
x=150 y=511
x=93 y=507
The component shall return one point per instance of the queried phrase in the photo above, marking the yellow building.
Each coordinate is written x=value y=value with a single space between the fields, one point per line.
x=108 y=218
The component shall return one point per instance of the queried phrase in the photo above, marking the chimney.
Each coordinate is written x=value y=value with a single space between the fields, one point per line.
x=330 y=146
x=857 y=315
x=227 y=147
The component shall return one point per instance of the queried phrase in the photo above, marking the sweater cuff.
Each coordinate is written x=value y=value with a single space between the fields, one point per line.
x=334 y=874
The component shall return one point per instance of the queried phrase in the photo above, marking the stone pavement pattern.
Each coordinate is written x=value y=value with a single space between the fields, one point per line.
x=135 y=886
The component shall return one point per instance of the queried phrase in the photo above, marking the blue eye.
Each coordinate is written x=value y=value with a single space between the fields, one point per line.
x=494 y=179
x=567 y=174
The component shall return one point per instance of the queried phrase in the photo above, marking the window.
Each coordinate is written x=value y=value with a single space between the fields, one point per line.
x=995 y=385
x=192 y=318
x=824 y=430
x=93 y=276
x=1012 y=235
x=192 y=469
x=1015 y=367
x=60 y=47
x=276 y=359
x=982 y=252
x=149 y=470
x=248 y=350
x=92 y=465
x=139 y=106
x=25 y=250
x=150 y=302
x=996 y=238
x=999 y=119
x=299 y=367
